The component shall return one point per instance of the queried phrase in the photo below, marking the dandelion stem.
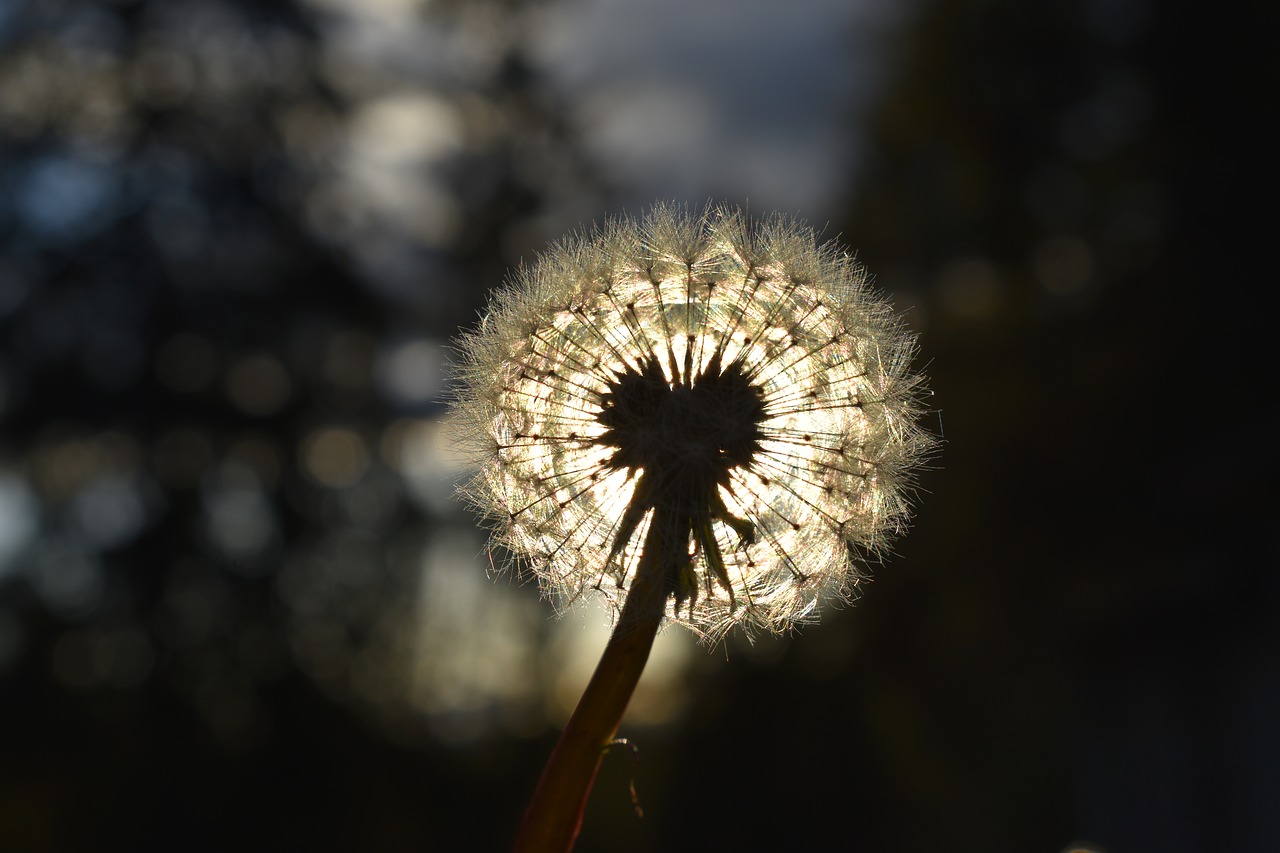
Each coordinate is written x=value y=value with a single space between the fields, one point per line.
x=554 y=816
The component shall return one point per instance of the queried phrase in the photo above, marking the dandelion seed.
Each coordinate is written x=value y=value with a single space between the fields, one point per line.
x=726 y=396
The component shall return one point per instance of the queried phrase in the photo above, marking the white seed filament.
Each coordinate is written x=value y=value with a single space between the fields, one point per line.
x=834 y=440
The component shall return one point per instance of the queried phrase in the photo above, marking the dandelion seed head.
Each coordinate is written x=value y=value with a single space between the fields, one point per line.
x=728 y=391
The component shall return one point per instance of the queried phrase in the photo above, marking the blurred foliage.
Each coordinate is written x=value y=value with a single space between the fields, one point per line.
x=236 y=240
x=238 y=607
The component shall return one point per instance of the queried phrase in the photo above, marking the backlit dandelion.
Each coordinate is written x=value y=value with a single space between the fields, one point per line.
x=728 y=395
x=699 y=418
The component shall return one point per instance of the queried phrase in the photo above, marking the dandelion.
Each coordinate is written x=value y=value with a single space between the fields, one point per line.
x=696 y=418
x=731 y=392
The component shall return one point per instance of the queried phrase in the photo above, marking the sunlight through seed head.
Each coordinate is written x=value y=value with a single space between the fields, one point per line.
x=730 y=381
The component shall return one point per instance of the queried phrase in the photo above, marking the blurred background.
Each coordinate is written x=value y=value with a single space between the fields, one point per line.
x=240 y=608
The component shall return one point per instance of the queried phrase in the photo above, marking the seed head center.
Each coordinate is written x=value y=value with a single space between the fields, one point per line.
x=692 y=429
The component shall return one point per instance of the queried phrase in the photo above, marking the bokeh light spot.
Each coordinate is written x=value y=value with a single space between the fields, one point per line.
x=970 y=288
x=240 y=522
x=64 y=196
x=419 y=451
x=69 y=580
x=110 y=511
x=335 y=457
x=19 y=520
x=1063 y=265
x=258 y=385
x=347 y=361
x=411 y=373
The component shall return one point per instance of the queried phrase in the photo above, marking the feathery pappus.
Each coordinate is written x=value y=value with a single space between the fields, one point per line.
x=726 y=395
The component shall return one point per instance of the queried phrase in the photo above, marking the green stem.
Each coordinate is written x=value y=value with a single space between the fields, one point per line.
x=554 y=816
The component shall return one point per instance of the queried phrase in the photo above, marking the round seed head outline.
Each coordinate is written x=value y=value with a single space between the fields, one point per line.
x=730 y=380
